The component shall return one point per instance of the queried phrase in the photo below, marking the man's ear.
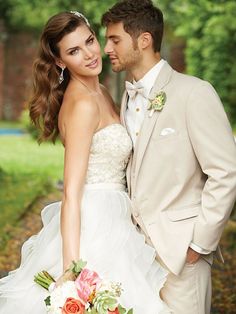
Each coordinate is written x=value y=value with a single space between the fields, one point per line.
x=145 y=40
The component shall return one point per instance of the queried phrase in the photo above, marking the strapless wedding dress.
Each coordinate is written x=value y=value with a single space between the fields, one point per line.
x=110 y=242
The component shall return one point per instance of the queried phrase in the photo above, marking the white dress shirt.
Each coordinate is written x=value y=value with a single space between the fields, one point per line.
x=136 y=109
x=137 y=106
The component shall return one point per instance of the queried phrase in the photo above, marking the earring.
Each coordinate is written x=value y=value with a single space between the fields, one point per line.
x=61 y=77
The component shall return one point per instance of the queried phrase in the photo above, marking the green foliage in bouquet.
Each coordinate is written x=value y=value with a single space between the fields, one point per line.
x=77 y=267
x=104 y=301
x=44 y=279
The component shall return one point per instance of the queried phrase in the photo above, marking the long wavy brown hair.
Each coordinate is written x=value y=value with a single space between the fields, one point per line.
x=47 y=95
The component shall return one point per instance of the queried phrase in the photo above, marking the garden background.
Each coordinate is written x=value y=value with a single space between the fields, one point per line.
x=200 y=39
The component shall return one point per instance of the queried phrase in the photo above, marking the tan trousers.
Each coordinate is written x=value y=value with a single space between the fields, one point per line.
x=190 y=292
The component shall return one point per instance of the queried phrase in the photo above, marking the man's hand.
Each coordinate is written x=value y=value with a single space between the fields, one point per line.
x=192 y=256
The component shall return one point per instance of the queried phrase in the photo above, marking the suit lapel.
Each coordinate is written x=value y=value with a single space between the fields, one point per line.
x=149 y=122
x=123 y=109
x=143 y=139
x=124 y=103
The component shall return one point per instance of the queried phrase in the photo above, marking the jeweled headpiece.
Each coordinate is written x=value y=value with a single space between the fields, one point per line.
x=81 y=16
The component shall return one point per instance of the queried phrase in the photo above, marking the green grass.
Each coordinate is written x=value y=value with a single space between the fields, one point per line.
x=27 y=171
x=17 y=194
x=23 y=155
x=10 y=124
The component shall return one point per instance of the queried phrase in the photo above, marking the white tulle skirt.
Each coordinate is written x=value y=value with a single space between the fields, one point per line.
x=110 y=244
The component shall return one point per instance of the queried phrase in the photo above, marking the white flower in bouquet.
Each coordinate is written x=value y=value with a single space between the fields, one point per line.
x=114 y=287
x=59 y=296
x=52 y=310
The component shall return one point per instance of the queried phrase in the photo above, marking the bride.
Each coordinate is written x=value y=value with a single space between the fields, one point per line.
x=93 y=221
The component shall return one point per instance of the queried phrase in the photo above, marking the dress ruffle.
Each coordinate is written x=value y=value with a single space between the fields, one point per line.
x=109 y=243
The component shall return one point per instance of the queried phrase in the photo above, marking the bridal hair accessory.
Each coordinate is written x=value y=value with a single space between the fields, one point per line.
x=61 y=77
x=157 y=103
x=81 y=16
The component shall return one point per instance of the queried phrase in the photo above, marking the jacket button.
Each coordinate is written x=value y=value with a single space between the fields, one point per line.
x=136 y=214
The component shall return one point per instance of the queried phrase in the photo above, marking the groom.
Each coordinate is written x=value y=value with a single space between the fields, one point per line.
x=182 y=175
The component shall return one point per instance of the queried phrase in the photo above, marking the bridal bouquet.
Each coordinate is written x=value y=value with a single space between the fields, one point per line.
x=87 y=294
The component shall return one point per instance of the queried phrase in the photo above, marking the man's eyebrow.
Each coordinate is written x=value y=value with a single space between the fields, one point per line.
x=113 y=36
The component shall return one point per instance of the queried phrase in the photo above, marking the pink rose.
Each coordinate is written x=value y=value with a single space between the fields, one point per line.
x=86 y=283
x=73 y=306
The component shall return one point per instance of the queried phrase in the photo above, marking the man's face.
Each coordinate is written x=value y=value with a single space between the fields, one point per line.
x=122 y=50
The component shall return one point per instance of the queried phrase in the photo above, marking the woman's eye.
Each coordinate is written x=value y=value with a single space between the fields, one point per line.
x=91 y=40
x=74 y=52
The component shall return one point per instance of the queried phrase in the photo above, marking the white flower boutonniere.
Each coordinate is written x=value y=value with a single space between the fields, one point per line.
x=157 y=103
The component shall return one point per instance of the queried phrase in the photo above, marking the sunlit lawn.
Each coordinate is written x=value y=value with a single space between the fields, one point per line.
x=22 y=154
x=27 y=172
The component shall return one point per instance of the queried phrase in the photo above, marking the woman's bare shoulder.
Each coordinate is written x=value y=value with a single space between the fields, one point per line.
x=105 y=90
x=78 y=110
x=80 y=103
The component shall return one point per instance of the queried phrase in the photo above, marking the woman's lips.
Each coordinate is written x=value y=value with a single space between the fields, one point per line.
x=93 y=64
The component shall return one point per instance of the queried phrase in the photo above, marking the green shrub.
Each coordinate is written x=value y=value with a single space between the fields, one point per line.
x=28 y=125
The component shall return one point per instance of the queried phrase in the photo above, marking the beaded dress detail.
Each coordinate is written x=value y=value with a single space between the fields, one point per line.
x=109 y=155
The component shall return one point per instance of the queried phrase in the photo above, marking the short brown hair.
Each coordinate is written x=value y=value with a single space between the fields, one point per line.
x=137 y=16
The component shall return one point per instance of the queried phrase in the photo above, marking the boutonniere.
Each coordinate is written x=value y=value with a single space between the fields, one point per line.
x=157 y=103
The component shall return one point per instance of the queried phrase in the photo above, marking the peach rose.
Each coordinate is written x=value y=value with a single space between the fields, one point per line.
x=73 y=306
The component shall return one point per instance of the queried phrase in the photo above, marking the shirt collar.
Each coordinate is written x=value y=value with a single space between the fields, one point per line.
x=148 y=80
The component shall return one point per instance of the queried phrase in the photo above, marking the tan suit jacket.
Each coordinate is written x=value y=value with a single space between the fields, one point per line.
x=183 y=184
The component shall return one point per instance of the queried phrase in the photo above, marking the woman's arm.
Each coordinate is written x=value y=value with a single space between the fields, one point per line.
x=80 y=126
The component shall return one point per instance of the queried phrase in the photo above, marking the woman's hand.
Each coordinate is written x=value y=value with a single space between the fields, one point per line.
x=68 y=275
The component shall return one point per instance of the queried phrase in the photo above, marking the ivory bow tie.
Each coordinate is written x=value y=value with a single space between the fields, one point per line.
x=134 y=89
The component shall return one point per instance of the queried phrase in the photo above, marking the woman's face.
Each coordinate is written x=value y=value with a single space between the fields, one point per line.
x=80 y=53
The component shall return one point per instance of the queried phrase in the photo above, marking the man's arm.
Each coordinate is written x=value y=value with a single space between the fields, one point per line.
x=213 y=143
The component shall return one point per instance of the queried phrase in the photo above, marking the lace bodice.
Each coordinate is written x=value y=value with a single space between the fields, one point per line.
x=109 y=155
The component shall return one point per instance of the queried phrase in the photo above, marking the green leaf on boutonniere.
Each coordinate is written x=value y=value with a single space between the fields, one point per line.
x=157 y=103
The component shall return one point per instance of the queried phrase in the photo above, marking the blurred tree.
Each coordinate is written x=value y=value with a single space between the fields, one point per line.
x=209 y=28
x=24 y=14
x=31 y=15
